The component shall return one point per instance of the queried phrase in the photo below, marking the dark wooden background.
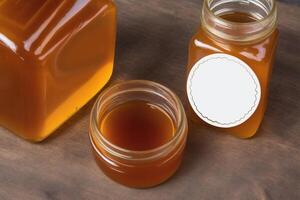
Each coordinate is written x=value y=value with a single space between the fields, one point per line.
x=152 y=44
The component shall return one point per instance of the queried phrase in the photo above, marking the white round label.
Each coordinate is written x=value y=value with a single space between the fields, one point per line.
x=223 y=90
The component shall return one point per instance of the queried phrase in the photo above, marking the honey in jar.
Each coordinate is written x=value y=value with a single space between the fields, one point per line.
x=137 y=126
x=230 y=65
x=138 y=136
x=54 y=57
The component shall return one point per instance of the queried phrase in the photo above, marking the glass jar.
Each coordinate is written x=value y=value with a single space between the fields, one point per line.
x=139 y=169
x=54 y=57
x=230 y=64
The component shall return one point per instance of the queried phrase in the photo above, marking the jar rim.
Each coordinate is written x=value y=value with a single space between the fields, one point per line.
x=123 y=153
x=267 y=23
x=269 y=14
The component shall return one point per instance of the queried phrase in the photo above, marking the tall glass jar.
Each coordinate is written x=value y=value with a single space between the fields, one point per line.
x=230 y=64
x=54 y=57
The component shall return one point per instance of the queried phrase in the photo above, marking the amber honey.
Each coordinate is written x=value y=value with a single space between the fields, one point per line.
x=246 y=37
x=238 y=17
x=54 y=57
x=137 y=126
x=138 y=142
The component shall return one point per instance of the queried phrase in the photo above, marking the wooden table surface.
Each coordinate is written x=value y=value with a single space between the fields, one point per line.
x=152 y=44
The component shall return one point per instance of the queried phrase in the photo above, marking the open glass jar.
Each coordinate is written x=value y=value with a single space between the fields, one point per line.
x=124 y=164
x=230 y=64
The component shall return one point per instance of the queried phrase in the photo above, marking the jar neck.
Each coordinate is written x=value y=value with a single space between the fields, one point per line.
x=263 y=11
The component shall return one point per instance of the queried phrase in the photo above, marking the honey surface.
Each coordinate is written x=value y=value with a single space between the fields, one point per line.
x=138 y=126
x=54 y=57
x=238 y=17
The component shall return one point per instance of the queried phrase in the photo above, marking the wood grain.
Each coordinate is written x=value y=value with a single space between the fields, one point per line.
x=152 y=44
